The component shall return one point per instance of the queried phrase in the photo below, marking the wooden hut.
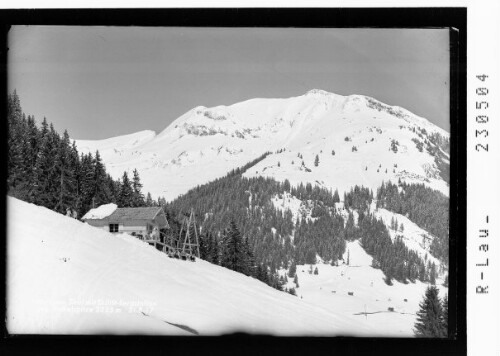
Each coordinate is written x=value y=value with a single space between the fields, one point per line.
x=142 y=222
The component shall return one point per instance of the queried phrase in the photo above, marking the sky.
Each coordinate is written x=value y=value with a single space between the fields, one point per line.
x=99 y=82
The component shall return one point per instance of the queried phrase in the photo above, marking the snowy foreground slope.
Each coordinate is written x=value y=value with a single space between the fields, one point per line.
x=67 y=277
x=206 y=143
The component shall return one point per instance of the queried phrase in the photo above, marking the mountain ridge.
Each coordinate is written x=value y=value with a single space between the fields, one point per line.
x=206 y=143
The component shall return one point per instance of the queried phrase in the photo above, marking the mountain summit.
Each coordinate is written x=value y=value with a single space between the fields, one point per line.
x=327 y=139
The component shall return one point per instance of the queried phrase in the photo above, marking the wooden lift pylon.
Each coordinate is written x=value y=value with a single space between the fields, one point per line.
x=190 y=244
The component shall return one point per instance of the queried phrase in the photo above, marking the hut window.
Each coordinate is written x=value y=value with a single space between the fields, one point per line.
x=113 y=227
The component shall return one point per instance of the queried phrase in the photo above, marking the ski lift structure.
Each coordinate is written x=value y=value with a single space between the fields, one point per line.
x=186 y=245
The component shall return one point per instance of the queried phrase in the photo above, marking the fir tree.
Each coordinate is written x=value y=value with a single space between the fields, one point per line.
x=296 y=281
x=233 y=254
x=204 y=248
x=445 y=315
x=15 y=141
x=86 y=183
x=65 y=188
x=161 y=201
x=430 y=316
x=138 y=197
x=432 y=273
x=311 y=256
x=316 y=270
x=316 y=161
x=286 y=185
x=293 y=270
x=149 y=200
x=336 y=197
x=215 y=250
x=101 y=193
x=125 y=197
x=250 y=267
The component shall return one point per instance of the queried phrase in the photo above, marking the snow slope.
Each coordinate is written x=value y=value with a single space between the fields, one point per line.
x=371 y=294
x=205 y=143
x=414 y=237
x=67 y=277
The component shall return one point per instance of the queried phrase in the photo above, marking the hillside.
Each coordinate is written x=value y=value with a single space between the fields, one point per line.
x=65 y=276
x=357 y=139
x=370 y=294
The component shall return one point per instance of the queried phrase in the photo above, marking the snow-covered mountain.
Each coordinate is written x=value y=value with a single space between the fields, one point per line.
x=65 y=276
x=358 y=140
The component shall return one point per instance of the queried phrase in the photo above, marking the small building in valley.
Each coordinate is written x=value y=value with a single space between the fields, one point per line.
x=142 y=222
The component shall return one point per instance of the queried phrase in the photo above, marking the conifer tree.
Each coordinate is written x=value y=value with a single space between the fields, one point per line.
x=430 y=316
x=286 y=185
x=421 y=273
x=101 y=192
x=250 y=268
x=445 y=315
x=432 y=273
x=293 y=270
x=45 y=167
x=204 y=248
x=113 y=188
x=138 y=197
x=311 y=256
x=215 y=250
x=15 y=141
x=125 y=197
x=336 y=197
x=65 y=172
x=30 y=155
x=233 y=254
x=296 y=281
x=87 y=183
x=149 y=200
x=161 y=201
x=316 y=161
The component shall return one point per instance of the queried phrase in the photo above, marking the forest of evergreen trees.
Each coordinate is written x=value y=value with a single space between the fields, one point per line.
x=277 y=241
x=46 y=169
x=426 y=207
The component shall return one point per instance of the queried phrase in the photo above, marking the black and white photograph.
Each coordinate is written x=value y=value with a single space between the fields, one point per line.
x=186 y=181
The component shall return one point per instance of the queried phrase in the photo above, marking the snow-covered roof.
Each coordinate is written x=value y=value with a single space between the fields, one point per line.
x=100 y=212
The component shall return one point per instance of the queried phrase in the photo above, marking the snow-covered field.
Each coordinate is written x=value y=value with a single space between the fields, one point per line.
x=330 y=288
x=67 y=277
x=206 y=143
